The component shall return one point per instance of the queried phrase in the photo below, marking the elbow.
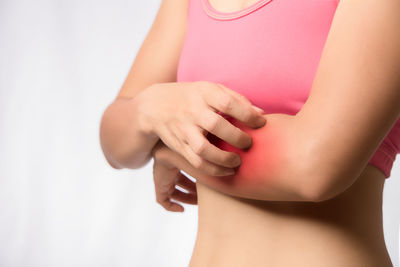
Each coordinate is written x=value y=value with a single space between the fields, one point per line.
x=316 y=174
x=105 y=149
x=323 y=186
x=113 y=165
x=320 y=180
x=314 y=192
x=122 y=162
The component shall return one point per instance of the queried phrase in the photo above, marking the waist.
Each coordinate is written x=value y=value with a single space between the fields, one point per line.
x=344 y=231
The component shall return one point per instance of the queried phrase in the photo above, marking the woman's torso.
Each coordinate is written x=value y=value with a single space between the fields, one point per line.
x=269 y=52
x=345 y=231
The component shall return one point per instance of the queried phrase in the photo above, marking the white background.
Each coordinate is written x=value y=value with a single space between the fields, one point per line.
x=61 y=63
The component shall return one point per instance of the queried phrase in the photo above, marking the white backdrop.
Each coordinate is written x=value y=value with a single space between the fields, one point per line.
x=61 y=63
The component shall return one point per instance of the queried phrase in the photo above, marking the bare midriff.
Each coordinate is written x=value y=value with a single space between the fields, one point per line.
x=344 y=231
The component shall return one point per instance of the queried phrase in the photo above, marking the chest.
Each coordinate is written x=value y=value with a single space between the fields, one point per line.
x=228 y=6
x=269 y=53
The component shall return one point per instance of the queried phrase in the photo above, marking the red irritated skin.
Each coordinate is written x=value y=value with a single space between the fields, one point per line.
x=273 y=168
x=268 y=168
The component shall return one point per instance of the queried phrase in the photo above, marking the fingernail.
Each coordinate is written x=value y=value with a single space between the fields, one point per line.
x=258 y=109
x=261 y=120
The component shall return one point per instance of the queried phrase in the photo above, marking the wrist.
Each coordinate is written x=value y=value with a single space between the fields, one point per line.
x=144 y=123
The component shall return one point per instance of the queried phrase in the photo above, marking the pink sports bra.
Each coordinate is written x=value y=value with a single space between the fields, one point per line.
x=268 y=52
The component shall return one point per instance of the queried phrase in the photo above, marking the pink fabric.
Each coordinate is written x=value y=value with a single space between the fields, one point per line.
x=268 y=52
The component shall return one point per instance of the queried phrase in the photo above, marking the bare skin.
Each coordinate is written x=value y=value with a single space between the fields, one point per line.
x=343 y=231
x=232 y=231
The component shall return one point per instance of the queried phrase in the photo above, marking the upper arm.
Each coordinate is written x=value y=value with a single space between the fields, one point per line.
x=355 y=96
x=158 y=57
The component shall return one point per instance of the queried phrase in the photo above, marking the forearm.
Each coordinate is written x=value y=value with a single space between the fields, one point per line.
x=277 y=167
x=124 y=140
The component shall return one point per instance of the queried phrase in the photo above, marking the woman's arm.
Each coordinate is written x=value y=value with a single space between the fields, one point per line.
x=125 y=142
x=355 y=97
x=270 y=167
x=353 y=104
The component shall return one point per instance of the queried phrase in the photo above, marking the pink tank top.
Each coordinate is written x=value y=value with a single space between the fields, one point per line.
x=268 y=52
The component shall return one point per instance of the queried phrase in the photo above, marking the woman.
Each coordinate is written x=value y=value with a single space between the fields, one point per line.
x=297 y=183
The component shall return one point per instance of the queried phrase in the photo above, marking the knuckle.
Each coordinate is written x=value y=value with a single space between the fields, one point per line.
x=221 y=88
x=212 y=123
x=243 y=98
x=225 y=104
x=188 y=114
x=203 y=85
x=181 y=131
x=200 y=148
x=163 y=187
x=198 y=163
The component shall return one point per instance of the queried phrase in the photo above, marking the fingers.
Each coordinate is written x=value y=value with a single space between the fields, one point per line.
x=205 y=166
x=205 y=157
x=165 y=200
x=184 y=197
x=233 y=104
x=186 y=134
x=188 y=141
x=202 y=148
x=219 y=126
x=165 y=180
x=172 y=206
x=240 y=97
x=187 y=184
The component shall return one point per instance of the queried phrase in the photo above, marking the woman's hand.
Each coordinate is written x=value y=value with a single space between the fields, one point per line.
x=182 y=114
x=166 y=176
x=272 y=169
